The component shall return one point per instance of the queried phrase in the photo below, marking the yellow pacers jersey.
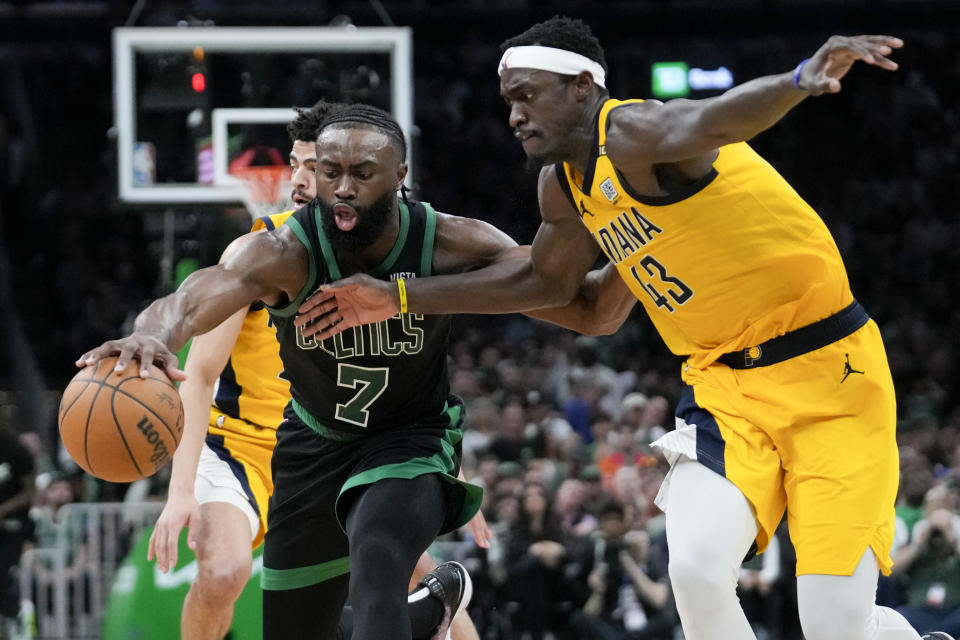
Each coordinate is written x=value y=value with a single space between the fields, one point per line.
x=736 y=259
x=250 y=389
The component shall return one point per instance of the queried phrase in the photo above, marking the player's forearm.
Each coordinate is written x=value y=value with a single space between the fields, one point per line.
x=737 y=115
x=508 y=286
x=196 y=397
x=204 y=300
x=602 y=305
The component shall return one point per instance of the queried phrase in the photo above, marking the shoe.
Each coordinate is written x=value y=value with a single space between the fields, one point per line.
x=451 y=585
x=936 y=635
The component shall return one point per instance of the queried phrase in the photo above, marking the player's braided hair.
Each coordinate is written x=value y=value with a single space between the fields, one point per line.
x=561 y=33
x=306 y=126
x=364 y=116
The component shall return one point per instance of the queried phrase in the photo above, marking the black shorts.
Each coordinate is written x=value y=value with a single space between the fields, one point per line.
x=315 y=480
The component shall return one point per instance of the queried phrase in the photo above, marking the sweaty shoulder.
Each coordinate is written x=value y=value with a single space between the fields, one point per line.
x=463 y=244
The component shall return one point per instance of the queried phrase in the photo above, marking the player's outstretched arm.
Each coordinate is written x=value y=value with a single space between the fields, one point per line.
x=208 y=356
x=651 y=132
x=484 y=272
x=268 y=267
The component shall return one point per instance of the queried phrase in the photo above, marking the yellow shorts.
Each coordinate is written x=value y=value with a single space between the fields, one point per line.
x=815 y=434
x=247 y=450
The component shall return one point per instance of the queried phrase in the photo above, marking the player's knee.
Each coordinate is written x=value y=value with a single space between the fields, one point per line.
x=374 y=549
x=701 y=578
x=223 y=581
x=832 y=618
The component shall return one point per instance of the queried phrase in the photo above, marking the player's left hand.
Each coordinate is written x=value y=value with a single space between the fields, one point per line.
x=822 y=73
x=181 y=510
x=344 y=304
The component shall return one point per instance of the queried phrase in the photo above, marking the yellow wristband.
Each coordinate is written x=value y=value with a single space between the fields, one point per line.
x=402 y=288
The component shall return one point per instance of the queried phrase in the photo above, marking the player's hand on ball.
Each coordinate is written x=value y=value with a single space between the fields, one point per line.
x=143 y=347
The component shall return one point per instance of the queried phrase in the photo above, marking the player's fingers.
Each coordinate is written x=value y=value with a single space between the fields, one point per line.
x=306 y=315
x=175 y=373
x=146 y=360
x=95 y=355
x=852 y=49
x=875 y=49
x=319 y=297
x=160 y=547
x=881 y=60
x=166 y=553
x=890 y=41
x=127 y=353
x=885 y=63
x=151 y=546
x=172 y=548
x=321 y=322
x=329 y=331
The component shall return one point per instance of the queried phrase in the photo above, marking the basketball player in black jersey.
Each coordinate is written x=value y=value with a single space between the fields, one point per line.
x=366 y=461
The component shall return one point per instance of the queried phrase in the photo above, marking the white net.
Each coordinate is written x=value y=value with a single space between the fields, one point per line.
x=265 y=189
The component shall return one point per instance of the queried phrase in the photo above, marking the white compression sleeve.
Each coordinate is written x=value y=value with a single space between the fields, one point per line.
x=843 y=607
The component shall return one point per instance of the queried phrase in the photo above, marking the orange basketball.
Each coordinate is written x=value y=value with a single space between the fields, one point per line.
x=120 y=427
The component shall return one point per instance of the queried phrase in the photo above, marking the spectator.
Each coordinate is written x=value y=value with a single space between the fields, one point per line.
x=535 y=557
x=629 y=598
x=576 y=522
x=930 y=564
x=517 y=440
x=16 y=529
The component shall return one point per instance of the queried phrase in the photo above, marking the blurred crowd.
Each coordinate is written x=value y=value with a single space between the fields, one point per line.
x=558 y=425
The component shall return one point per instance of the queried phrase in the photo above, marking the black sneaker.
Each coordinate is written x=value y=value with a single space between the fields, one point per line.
x=936 y=635
x=450 y=583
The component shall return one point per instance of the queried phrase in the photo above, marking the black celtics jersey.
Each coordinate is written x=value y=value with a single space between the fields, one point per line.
x=372 y=377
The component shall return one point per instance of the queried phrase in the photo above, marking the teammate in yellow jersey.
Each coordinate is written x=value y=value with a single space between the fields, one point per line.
x=789 y=401
x=221 y=479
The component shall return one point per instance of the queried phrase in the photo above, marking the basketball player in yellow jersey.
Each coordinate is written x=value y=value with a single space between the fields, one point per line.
x=221 y=480
x=789 y=401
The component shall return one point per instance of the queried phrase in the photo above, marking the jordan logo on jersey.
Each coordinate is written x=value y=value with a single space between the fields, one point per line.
x=847 y=369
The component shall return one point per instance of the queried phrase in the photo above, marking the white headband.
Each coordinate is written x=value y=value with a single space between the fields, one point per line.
x=550 y=59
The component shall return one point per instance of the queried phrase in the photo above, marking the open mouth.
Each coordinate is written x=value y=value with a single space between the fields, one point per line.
x=345 y=216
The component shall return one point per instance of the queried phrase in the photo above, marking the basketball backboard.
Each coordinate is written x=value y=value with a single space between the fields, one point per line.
x=190 y=100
